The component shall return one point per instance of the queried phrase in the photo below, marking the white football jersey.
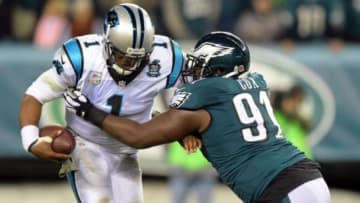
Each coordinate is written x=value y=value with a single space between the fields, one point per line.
x=81 y=63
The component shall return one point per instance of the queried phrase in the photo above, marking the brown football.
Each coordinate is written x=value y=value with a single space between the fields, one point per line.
x=64 y=143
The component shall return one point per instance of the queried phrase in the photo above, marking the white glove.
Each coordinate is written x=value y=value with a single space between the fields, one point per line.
x=77 y=102
x=80 y=104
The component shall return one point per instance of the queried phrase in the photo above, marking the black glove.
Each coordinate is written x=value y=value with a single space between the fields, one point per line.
x=77 y=102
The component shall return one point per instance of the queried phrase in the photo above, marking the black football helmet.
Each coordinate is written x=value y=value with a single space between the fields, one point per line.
x=217 y=54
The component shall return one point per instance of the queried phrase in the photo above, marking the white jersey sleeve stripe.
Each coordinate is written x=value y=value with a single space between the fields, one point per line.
x=73 y=51
x=178 y=62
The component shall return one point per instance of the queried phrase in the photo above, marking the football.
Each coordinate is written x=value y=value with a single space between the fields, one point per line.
x=64 y=143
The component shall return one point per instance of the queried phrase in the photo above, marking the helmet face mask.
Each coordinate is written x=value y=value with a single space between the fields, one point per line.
x=217 y=54
x=123 y=63
x=194 y=67
x=129 y=34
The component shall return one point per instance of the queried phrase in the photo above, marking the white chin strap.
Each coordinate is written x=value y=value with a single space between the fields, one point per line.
x=120 y=70
x=231 y=74
x=236 y=71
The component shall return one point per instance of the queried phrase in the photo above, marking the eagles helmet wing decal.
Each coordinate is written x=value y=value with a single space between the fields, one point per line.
x=210 y=50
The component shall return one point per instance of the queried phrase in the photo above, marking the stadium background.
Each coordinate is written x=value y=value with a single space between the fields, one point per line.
x=324 y=61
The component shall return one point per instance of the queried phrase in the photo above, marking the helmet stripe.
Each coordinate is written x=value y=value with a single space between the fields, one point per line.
x=134 y=24
x=142 y=28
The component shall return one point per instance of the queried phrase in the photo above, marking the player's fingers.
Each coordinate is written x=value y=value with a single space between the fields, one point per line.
x=57 y=133
x=67 y=98
x=52 y=135
x=59 y=157
x=198 y=143
x=82 y=98
x=191 y=146
x=79 y=95
x=70 y=93
x=71 y=102
x=187 y=147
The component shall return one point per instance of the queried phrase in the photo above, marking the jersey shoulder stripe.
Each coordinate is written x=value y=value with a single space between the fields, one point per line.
x=74 y=52
x=178 y=62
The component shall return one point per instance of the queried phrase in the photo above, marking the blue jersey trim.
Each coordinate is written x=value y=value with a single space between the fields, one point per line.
x=71 y=180
x=73 y=51
x=178 y=62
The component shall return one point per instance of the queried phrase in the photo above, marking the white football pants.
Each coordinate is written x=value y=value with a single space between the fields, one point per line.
x=103 y=176
x=314 y=191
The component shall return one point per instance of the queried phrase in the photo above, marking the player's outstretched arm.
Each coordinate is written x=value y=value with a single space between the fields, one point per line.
x=170 y=126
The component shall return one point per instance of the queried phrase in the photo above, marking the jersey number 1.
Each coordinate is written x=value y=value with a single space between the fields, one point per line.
x=115 y=101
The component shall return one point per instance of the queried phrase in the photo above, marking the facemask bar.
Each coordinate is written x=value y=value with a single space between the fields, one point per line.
x=193 y=69
x=114 y=54
x=196 y=69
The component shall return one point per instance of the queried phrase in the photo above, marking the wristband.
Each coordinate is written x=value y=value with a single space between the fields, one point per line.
x=29 y=135
x=96 y=116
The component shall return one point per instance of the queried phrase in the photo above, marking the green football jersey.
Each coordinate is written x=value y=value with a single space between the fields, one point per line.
x=243 y=142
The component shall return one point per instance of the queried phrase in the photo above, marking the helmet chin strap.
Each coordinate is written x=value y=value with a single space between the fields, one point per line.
x=122 y=79
x=229 y=75
x=238 y=70
x=120 y=70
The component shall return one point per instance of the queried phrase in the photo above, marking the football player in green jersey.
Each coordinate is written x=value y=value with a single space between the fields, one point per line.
x=229 y=110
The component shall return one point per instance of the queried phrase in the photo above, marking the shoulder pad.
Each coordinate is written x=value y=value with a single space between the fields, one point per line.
x=74 y=52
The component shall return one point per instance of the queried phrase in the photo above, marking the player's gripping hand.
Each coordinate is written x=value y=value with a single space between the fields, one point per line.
x=80 y=104
x=42 y=149
x=191 y=143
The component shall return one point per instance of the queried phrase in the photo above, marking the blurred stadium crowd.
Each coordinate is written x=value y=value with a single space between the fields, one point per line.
x=47 y=23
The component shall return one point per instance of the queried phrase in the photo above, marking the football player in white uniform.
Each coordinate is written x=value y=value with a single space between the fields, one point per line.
x=121 y=72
